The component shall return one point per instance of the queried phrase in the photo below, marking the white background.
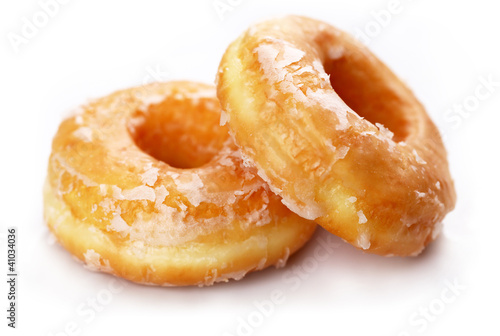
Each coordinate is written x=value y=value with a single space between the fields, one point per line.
x=442 y=49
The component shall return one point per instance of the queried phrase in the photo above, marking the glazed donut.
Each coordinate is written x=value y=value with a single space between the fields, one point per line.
x=144 y=184
x=336 y=134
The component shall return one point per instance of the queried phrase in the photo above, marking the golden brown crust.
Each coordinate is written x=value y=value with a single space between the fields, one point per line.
x=290 y=88
x=129 y=213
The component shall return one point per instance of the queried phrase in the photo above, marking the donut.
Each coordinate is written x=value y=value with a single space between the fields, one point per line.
x=336 y=134
x=144 y=184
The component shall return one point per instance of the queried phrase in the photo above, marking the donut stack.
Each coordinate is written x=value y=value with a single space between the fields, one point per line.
x=183 y=183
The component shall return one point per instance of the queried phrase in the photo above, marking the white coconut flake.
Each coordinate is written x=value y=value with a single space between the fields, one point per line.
x=335 y=52
x=161 y=193
x=258 y=217
x=385 y=131
x=328 y=100
x=342 y=152
x=137 y=248
x=308 y=211
x=418 y=158
x=192 y=189
x=224 y=118
x=362 y=217
x=79 y=120
x=288 y=85
x=136 y=121
x=232 y=275
x=274 y=69
x=282 y=261
x=320 y=70
x=139 y=193
x=119 y=225
x=84 y=134
x=93 y=262
x=107 y=205
x=266 y=55
x=117 y=192
x=182 y=206
x=408 y=221
x=290 y=55
x=150 y=176
x=420 y=194
x=246 y=160
x=173 y=175
x=227 y=162
x=304 y=69
x=438 y=227
x=352 y=199
x=329 y=144
x=363 y=241
x=92 y=259
x=261 y=263
x=438 y=185
x=103 y=189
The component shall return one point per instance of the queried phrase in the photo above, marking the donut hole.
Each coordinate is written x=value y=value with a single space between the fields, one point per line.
x=362 y=86
x=184 y=133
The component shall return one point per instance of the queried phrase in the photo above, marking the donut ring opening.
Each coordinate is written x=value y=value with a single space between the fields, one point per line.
x=181 y=133
x=366 y=93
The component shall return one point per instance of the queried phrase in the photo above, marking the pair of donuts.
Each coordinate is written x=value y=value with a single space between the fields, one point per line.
x=160 y=186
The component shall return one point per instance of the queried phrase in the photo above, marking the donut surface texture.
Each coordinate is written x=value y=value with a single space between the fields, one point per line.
x=144 y=184
x=336 y=134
